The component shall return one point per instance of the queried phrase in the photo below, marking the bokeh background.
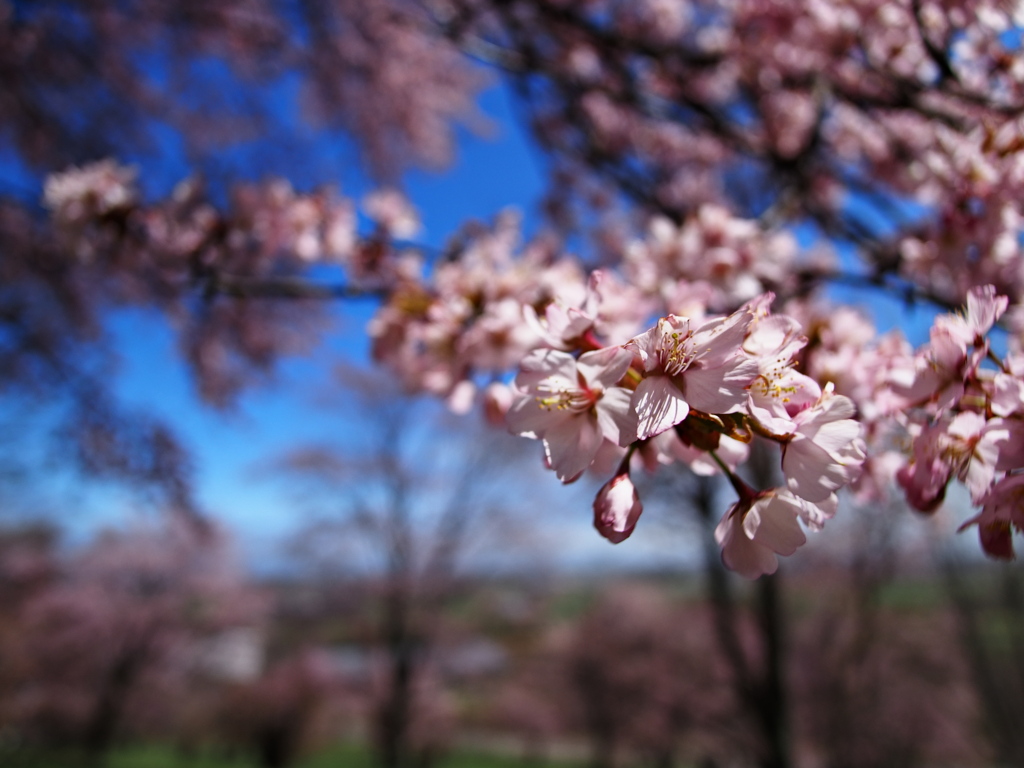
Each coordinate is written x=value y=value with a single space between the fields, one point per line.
x=363 y=577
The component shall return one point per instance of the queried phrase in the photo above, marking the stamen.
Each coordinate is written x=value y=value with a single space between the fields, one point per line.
x=676 y=353
x=559 y=397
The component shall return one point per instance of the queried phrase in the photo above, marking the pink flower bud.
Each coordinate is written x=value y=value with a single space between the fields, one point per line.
x=617 y=507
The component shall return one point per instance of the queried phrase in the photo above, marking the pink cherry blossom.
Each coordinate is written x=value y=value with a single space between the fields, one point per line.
x=754 y=531
x=390 y=209
x=968 y=447
x=1002 y=512
x=572 y=405
x=778 y=394
x=683 y=368
x=1006 y=388
x=984 y=308
x=826 y=449
x=943 y=366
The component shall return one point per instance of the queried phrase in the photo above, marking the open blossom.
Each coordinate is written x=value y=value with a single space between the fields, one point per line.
x=778 y=394
x=1006 y=388
x=1002 y=511
x=945 y=365
x=94 y=189
x=498 y=338
x=779 y=391
x=611 y=309
x=941 y=369
x=826 y=450
x=561 y=326
x=702 y=369
x=925 y=477
x=573 y=405
x=617 y=508
x=984 y=308
x=757 y=529
x=967 y=447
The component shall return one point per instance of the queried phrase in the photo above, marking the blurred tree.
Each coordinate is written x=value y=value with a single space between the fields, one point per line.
x=987 y=626
x=644 y=680
x=877 y=677
x=102 y=643
x=405 y=508
x=289 y=710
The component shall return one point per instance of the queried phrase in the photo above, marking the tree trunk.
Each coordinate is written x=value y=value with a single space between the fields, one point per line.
x=394 y=718
x=102 y=725
x=761 y=693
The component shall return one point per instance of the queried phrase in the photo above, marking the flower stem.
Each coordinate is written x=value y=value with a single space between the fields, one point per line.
x=744 y=491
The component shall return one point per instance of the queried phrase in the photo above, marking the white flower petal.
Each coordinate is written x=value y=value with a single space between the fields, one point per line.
x=772 y=522
x=604 y=368
x=740 y=553
x=659 y=405
x=572 y=444
x=812 y=473
x=616 y=416
x=722 y=389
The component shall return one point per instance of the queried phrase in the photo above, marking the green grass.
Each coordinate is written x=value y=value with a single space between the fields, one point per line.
x=346 y=755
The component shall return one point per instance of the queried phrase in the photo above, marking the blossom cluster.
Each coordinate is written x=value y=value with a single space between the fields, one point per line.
x=494 y=298
x=963 y=408
x=598 y=383
x=256 y=249
x=697 y=390
x=97 y=208
x=597 y=388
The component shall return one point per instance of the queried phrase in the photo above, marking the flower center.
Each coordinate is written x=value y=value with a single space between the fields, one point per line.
x=676 y=352
x=556 y=395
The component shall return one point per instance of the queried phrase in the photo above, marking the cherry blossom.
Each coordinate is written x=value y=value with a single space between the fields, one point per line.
x=755 y=530
x=573 y=405
x=1002 y=512
x=686 y=368
x=825 y=450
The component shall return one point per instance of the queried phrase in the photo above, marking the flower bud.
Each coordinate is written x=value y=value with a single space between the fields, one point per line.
x=617 y=507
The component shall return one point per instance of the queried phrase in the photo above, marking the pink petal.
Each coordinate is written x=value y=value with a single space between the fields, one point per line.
x=772 y=522
x=815 y=514
x=616 y=417
x=996 y=538
x=811 y=473
x=984 y=308
x=572 y=444
x=722 y=389
x=659 y=405
x=741 y=554
x=604 y=368
x=547 y=362
x=647 y=346
x=526 y=417
x=720 y=339
x=837 y=438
